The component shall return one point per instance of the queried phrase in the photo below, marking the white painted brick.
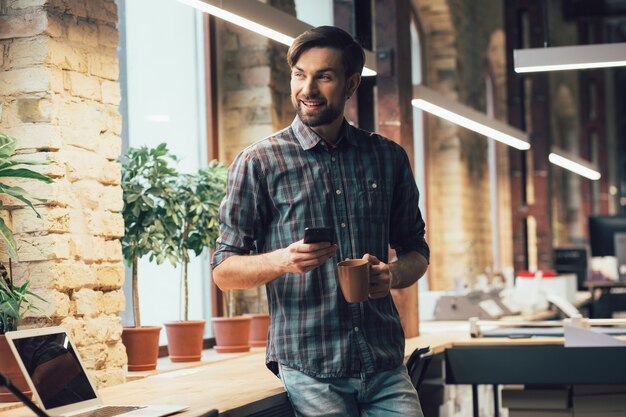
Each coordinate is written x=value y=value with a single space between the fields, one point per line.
x=109 y=275
x=87 y=302
x=28 y=80
x=109 y=377
x=63 y=276
x=28 y=52
x=105 y=224
x=108 y=36
x=84 y=165
x=50 y=219
x=41 y=248
x=113 y=302
x=83 y=33
x=116 y=356
x=103 y=66
x=111 y=92
x=67 y=57
x=81 y=85
x=92 y=194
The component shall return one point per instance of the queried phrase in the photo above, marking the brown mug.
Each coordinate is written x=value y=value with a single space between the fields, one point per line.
x=354 y=279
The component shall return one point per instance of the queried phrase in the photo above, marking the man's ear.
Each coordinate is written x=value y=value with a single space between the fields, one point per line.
x=352 y=84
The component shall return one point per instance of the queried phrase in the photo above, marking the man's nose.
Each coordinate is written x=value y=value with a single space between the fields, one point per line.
x=310 y=86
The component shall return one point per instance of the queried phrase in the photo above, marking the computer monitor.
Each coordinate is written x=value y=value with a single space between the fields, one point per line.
x=602 y=230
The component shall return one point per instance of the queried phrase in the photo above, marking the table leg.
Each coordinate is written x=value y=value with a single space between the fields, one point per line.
x=496 y=401
x=475 y=400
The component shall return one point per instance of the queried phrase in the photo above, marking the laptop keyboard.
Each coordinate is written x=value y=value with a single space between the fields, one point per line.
x=108 y=411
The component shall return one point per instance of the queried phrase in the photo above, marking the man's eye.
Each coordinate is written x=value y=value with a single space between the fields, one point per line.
x=325 y=77
x=297 y=75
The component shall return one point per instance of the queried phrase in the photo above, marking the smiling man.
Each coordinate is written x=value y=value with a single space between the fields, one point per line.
x=335 y=358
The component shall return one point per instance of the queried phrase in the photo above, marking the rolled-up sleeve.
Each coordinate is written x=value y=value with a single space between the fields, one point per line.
x=407 y=228
x=242 y=211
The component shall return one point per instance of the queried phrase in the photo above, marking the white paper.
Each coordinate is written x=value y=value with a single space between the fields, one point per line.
x=577 y=337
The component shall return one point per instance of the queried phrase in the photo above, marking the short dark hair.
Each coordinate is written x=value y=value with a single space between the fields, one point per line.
x=352 y=54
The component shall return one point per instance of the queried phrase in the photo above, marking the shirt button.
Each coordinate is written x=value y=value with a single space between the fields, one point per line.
x=356 y=328
x=338 y=192
x=374 y=185
x=343 y=225
x=333 y=159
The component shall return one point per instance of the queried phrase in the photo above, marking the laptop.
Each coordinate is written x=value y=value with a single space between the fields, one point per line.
x=60 y=384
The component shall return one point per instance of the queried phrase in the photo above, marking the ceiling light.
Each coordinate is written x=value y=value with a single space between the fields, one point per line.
x=426 y=99
x=570 y=57
x=265 y=20
x=573 y=163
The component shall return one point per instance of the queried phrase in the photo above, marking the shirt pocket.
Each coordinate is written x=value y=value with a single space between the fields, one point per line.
x=372 y=201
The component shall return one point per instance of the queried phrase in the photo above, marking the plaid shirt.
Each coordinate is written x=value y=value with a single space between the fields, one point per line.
x=364 y=189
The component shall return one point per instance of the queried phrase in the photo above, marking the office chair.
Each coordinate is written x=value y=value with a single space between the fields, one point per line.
x=418 y=364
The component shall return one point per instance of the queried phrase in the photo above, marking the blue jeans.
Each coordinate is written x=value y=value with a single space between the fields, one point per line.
x=389 y=393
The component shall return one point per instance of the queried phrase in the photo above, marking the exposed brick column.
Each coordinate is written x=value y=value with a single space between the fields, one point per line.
x=395 y=114
x=59 y=96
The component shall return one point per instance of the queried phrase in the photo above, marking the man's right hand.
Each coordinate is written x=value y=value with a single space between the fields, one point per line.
x=300 y=257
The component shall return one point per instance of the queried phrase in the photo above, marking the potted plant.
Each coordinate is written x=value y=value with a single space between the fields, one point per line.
x=147 y=179
x=259 y=324
x=15 y=300
x=193 y=207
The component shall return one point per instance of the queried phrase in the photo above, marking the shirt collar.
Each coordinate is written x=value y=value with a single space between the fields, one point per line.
x=308 y=139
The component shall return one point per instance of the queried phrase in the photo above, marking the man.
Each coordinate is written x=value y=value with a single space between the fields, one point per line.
x=334 y=358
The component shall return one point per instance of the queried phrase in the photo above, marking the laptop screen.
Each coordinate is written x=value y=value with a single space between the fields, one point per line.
x=54 y=369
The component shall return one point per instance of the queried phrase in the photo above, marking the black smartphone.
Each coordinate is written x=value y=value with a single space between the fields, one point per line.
x=319 y=234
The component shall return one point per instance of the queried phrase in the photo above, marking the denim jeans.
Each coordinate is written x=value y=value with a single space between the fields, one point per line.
x=388 y=393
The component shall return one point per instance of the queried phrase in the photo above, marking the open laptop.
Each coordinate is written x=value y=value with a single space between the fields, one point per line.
x=57 y=377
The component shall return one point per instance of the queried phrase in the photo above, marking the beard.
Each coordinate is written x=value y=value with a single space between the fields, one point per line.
x=324 y=117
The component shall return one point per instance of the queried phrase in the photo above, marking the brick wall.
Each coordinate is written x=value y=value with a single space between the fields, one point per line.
x=59 y=97
x=254 y=102
x=456 y=52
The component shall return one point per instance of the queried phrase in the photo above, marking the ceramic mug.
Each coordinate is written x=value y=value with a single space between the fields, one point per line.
x=354 y=279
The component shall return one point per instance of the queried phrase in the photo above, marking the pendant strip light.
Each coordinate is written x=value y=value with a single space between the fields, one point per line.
x=570 y=57
x=428 y=100
x=573 y=163
x=265 y=20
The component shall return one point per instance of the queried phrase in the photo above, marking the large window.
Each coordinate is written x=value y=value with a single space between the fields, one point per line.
x=162 y=77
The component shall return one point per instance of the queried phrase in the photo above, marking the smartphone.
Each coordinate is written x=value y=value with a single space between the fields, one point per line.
x=319 y=234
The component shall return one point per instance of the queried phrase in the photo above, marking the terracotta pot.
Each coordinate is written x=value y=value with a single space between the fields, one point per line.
x=231 y=334
x=258 y=329
x=142 y=347
x=184 y=340
x=10 y=369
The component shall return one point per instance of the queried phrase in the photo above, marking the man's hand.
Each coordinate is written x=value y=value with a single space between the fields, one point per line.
x=300 y=257
x=380 y=277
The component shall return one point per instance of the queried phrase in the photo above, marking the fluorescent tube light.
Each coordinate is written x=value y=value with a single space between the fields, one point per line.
x=570 y=57
x=265 y=20
x=426 y=99
x=573 y=163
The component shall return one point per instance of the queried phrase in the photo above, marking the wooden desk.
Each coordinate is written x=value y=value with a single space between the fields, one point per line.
x=240 y=386
x=235 y=387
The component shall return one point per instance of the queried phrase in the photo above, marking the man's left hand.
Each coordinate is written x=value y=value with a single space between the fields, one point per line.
x=380 y=277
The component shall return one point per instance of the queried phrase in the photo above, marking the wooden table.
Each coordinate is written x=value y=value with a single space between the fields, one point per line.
x=242 y=385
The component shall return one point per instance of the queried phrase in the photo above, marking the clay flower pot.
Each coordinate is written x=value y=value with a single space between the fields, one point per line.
x=184 y=340
x=10 y=368
x=258 y=329
x=231 y=334
x=142 y=347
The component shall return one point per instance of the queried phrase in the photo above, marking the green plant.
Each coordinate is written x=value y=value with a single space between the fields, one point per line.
x=15 y=301
x=147 y=182
x=194 y=208
x=8 y=169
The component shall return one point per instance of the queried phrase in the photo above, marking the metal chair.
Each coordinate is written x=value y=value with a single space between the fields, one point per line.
x=417 y=364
